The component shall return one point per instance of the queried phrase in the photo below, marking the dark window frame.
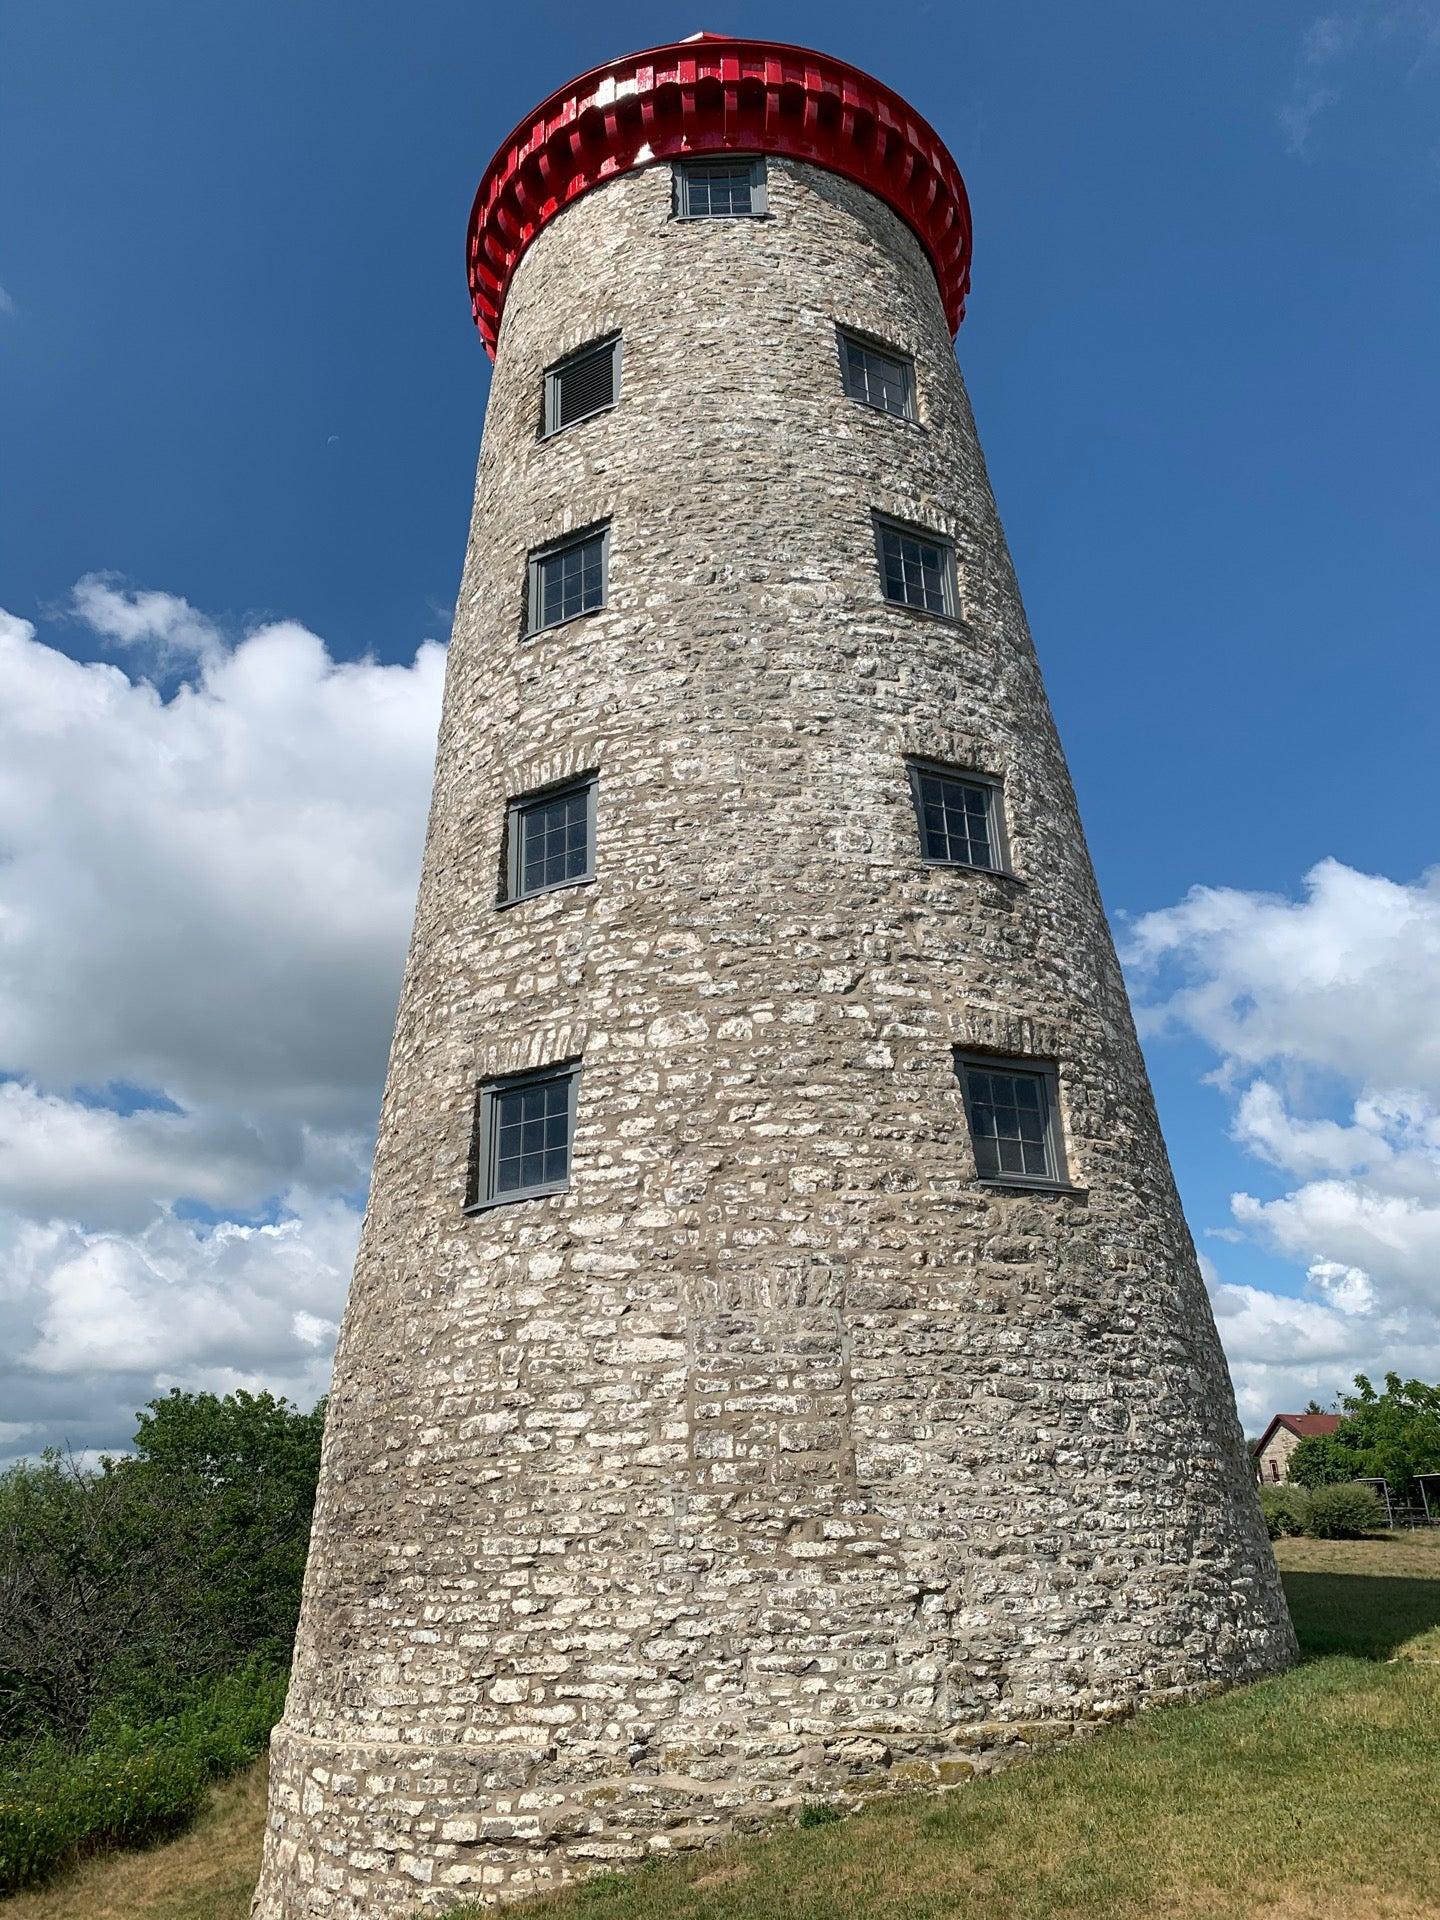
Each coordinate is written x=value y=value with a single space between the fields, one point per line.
x=684 y=170
x=537 y=557
x=550 y=422
x=993 y=785
x=1057 y=1179
x=484 y=1155
x=926 y=536
x=517 y=808
x=847 y=337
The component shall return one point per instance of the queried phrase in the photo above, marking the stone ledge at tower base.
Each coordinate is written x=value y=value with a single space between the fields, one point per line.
x=491 y=1825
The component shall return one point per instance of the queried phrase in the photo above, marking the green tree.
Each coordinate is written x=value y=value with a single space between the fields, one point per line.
x=124 y=1585
x=1389 y=1436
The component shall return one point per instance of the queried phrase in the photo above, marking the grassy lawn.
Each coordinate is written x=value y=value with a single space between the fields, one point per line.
x=1308 y=1797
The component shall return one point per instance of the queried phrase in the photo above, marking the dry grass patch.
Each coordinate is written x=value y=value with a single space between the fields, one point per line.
x=209 y=1873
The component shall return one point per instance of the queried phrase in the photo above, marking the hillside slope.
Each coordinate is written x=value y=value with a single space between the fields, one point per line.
x=1303 y=1796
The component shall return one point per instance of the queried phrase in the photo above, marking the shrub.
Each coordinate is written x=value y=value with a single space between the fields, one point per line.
x=1284 y=1511
x=124 y=1586
x=1342 y=1513
x=130 y=1784
x=818 y=1813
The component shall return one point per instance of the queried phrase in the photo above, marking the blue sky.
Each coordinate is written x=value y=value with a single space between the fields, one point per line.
x=241 y=374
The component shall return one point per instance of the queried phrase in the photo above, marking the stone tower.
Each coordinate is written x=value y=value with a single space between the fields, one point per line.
x=776 y=1362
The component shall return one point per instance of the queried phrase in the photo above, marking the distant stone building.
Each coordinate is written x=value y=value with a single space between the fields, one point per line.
x=777 y=1363
x=1273 y=1449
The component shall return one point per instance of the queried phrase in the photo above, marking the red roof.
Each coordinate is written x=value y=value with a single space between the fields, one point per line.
x=715 y=94
x=1305 y=1426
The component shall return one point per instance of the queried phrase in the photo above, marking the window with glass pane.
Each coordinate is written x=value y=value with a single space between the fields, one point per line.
x=917 y=571
x=719 y=189
x=586 y=383
x=1012 y=1116
x=526 y=1127
x=959 y=818
x=878 y=379
x=567 y=580
x=552 y=839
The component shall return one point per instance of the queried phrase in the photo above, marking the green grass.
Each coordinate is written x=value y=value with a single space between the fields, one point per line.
x=1306 y=1797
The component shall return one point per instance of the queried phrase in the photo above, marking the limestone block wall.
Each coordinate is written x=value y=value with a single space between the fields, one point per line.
x=1273 y=1461
x=778 y=1455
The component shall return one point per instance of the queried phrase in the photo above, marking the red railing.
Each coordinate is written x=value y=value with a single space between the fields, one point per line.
x=713 y=94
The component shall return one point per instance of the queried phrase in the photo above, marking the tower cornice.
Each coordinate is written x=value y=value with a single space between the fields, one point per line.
x=707 y=95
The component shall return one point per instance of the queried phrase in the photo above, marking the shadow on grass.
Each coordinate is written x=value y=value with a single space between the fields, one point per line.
x=1366 y=1615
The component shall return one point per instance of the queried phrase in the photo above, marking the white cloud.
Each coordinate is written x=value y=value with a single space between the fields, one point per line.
x=174 y=1296
x=1323 y=1008
x=205 y=895
x=1342 y=980
x=63 y=1157
x=1348 y=1288
x=209 y=894
x=1321 y=46
x=165 y=624
x=7 y=304
x=1376 y=31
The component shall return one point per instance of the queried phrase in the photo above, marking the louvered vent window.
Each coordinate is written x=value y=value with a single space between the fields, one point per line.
x=586 y=383
x=719 y=189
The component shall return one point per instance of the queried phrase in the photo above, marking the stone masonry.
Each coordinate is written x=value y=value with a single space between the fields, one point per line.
x=778 y=1456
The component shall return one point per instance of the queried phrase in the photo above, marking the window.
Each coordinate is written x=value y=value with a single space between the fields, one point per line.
x=550 y=839
x=719 y=189
x=877 y=378
x=585 y=383
x=916 y=569
x=1014 y=1121
x=960 y=817
x=525 y=1125
x=567 y=578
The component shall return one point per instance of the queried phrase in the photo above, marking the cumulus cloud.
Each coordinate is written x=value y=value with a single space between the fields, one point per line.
x=205 y=894
x=1343 y=979
x=1320 y=1014
x=162 y=622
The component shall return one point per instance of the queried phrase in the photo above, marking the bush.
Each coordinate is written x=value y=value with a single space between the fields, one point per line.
x=1283 y=1509
x=1342 y=1513
x=818 y=1813
x=125 y=1586
x=130 y=1784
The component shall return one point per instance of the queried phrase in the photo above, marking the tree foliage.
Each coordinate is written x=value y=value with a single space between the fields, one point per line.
x=123 y=1585
x=1389 y=1436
